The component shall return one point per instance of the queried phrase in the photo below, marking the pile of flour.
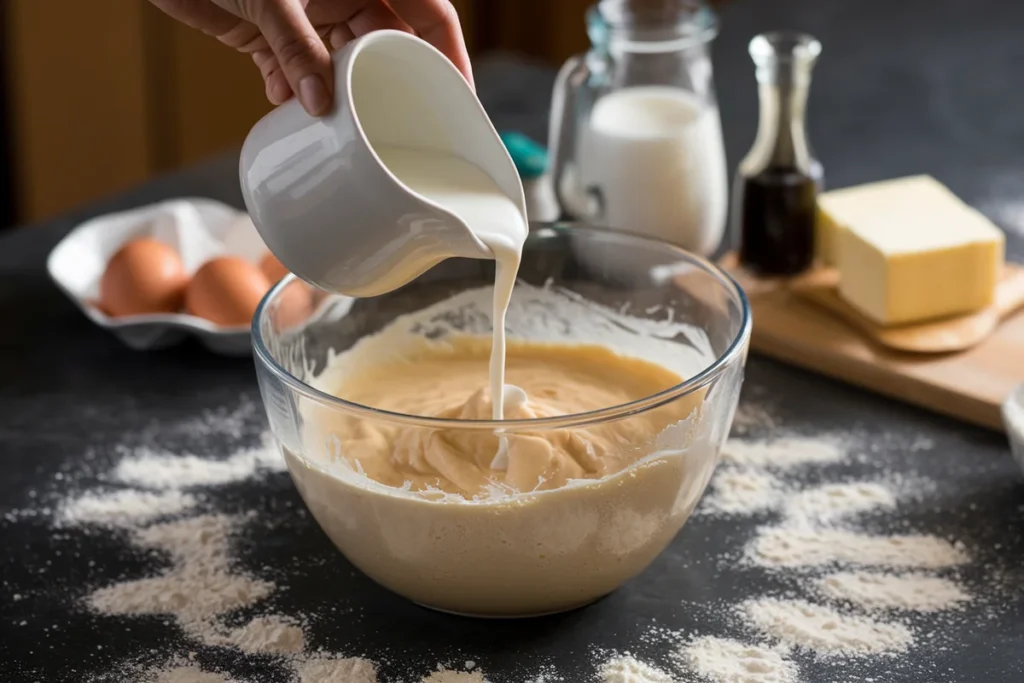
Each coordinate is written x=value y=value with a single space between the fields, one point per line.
x=628 y=669
x=729 y=661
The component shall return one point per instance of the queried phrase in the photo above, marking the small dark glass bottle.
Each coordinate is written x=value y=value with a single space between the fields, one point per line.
x=776 y=190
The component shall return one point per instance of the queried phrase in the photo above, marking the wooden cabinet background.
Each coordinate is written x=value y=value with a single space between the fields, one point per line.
x=105 y=93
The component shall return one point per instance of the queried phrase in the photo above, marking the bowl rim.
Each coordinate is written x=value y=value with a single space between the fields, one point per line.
x=737 y=347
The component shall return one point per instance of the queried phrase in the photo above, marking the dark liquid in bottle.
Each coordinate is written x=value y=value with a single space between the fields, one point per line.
x=777 y=210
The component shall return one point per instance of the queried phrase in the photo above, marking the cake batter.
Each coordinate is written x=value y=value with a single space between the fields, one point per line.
x=449 y=380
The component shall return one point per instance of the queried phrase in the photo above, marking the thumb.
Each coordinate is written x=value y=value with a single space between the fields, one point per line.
x=301 y=53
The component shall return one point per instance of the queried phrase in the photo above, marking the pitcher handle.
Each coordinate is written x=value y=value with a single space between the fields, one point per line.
x=562 y=136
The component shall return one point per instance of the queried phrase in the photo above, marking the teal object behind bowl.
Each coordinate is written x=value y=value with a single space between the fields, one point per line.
x=530 y=157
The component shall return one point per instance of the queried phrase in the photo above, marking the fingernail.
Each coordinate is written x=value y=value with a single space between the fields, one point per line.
x=313 y=95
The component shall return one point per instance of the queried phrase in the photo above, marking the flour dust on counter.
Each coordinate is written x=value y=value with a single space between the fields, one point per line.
x=911 y=592
x=824 y=630
x=185 y=673
x=751 y=416
x=784 y=547
x=267 y=635
x=323 y=669
x=724 y=660
x=846 y=585
x=742 y=491
x=451 y=676
x=157 y=469
x=125 y=507
x=850 y=587
x=142 y=479
x=783 y=453
x=628 y=669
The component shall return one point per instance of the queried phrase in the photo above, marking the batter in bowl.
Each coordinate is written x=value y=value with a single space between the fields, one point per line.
x=576 y=511
x=450 y=380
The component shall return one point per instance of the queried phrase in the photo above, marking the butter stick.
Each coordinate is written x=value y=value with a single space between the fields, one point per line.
x=909 y=250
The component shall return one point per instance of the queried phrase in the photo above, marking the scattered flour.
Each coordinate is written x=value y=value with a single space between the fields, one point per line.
x=913 y=592
x=125 y=507
x=156 y=470
x=321 y=669
x=270 y=634
x=782 y=546
x=812 y=531
x=200 y=585
x=234 y=422
x=628 y=669
x=742 y=491
x=747 y=491
x=197 y=588
x=750 y=417
x=721 y=660
x=452 y=676
x=824 y=630
x=830 y=503
x=815 y=530
x=548 y=674
x=187 y=673
x=782 y=454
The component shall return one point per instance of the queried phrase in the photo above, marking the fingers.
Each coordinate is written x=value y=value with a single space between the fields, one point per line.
x=373 y=17
x=278 y=90
x=348 y=19
x=244 y=37
x=299 y=51
x=291 y=53
x=277 y=87
x=437 y=22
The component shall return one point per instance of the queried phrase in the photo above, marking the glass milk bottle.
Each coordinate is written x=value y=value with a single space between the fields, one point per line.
x=635 y=134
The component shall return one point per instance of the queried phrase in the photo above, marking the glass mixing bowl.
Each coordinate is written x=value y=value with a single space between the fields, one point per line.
x=534 y=552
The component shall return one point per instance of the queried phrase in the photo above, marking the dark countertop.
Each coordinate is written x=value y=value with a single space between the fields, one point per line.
x=908 y=87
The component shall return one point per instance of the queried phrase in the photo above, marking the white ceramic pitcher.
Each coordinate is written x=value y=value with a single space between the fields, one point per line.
x=323 y=201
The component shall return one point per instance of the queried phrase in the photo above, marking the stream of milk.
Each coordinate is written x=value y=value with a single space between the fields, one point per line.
x=468 y=192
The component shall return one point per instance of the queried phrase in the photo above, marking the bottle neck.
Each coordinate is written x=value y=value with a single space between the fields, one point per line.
x=784 y=63
x=781 y=132
x=650 y=25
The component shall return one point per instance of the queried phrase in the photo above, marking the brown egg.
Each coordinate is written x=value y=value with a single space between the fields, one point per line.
x=144 y=276
x=272 y=268
x=226 y=291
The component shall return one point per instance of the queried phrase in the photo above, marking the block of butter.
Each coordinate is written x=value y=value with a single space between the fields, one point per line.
x=861 y=204
x=909 y=250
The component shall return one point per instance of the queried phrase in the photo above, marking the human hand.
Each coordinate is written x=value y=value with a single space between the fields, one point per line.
x=289 y=40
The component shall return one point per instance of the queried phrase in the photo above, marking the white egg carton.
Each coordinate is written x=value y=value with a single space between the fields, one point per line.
x=199 y=229
x=1013 y=419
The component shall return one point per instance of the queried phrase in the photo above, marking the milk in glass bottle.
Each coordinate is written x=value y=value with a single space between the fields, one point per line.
x=635 y=131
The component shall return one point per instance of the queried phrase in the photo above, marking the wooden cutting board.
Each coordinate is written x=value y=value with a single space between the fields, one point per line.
x=968 y=385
